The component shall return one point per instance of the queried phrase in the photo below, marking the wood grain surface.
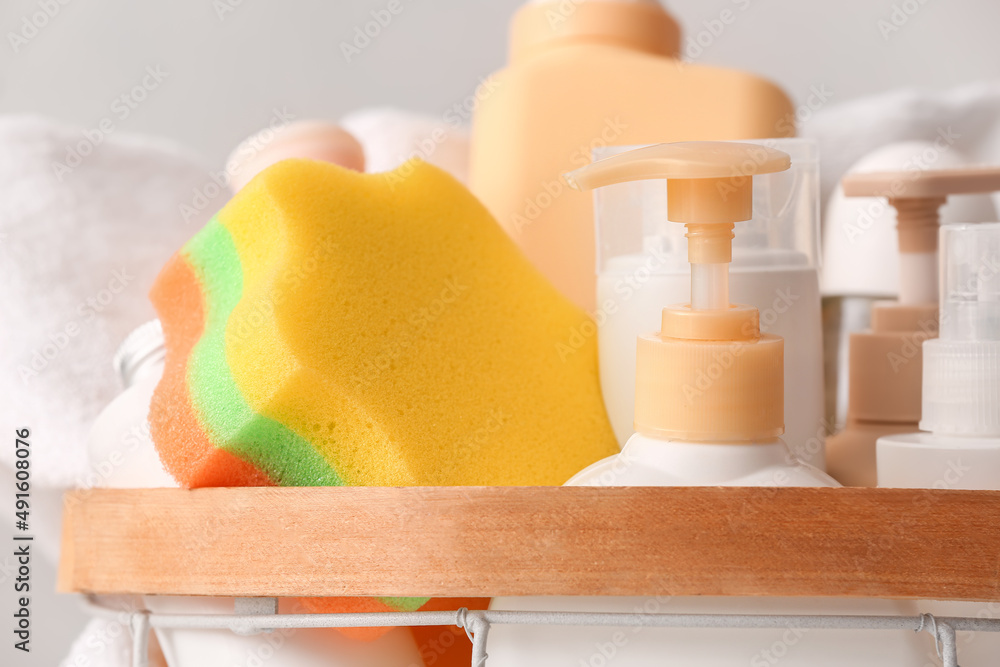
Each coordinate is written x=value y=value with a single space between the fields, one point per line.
x=490 y=541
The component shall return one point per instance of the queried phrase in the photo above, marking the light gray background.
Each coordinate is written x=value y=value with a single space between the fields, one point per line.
x=228 y=70
x=226 y=74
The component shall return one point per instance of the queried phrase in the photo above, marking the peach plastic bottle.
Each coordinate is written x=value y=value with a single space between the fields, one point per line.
x=722 y=433
x=587 y=74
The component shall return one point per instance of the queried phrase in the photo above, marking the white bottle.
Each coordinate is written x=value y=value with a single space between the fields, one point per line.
x=959 y=446
x=642 y=264
x=709 y=412
x=122 y=455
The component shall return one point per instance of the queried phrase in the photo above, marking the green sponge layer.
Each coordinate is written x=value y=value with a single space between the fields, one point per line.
x=284 y=456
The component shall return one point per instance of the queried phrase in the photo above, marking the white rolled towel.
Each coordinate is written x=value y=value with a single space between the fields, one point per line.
x=87 y=219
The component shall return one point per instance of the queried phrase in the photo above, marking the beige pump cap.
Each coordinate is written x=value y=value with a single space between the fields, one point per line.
x=886 y=362
x=917 y=196
x=709 y=375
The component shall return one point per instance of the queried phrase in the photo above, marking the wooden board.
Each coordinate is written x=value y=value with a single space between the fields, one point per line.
x=489 y=541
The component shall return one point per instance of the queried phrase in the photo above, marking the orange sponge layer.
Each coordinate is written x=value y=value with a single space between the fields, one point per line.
x=192 y=459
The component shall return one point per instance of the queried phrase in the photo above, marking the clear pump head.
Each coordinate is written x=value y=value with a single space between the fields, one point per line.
x=631 y=218
x=961 y=383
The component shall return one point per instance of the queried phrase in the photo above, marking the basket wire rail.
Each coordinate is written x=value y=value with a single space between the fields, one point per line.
x=258 y=615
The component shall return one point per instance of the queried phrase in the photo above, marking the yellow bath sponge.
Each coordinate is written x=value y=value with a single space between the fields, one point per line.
x=389 y=321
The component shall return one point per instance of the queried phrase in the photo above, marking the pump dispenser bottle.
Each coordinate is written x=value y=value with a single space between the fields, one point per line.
x=709 y=375
x=708 y=412
x=885 y=363
x=959 y=447
x=584 y=74
x=642 y=265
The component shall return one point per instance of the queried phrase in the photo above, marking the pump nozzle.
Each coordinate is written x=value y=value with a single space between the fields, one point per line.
x=917 y=197
x=709 y=374
x=961 y=379
x=709 y=188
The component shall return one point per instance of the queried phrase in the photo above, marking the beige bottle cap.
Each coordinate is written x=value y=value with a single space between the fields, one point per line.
x=641 y=26
x=709 y=374
x=918 y=195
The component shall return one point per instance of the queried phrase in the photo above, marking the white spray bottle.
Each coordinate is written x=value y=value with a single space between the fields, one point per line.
x=959 y=443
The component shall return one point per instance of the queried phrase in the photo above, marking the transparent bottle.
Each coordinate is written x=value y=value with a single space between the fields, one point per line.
x=958 y=445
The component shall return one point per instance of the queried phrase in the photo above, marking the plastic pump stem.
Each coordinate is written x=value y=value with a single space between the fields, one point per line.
x=709 y=286
x=917 y=197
